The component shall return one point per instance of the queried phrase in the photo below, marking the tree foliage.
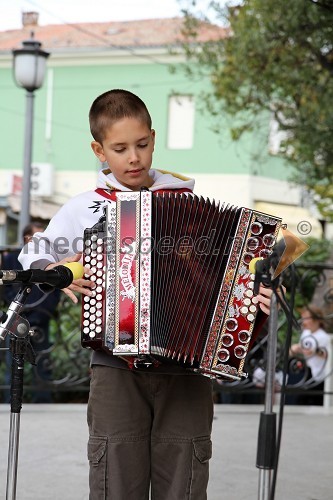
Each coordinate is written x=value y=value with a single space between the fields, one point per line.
x=278 y=59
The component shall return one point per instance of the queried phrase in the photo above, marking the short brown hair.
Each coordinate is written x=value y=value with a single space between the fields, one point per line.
x=32 y=228
x=114 y=105
x=315 y=313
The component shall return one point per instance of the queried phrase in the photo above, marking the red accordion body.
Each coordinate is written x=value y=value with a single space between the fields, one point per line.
x=173 y=282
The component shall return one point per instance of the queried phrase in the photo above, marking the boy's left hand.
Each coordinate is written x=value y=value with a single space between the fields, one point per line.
x=264 y=298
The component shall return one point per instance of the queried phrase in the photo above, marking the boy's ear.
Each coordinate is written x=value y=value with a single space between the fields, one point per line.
x=153 y=135
x=98 y=150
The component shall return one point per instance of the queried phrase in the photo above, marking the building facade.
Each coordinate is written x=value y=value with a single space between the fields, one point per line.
x=88 y=59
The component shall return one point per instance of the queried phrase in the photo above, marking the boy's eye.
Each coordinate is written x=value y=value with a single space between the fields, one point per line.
x=119 y=150
x=143 y=145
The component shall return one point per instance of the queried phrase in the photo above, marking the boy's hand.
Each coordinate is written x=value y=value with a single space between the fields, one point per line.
x=264 y=298
x=81 y=285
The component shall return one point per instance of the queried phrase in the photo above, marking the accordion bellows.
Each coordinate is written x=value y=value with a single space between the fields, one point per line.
x=173 y=281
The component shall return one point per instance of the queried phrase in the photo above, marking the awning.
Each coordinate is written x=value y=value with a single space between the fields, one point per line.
x=39 y=209
x=298 y=219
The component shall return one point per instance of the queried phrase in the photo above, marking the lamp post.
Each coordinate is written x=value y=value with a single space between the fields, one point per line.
x=29 y=64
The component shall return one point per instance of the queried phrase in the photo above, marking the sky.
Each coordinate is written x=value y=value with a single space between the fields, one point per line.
x=71 y=11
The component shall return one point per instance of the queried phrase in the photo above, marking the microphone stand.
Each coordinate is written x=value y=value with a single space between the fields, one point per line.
x=266 y=448
x=19 y=329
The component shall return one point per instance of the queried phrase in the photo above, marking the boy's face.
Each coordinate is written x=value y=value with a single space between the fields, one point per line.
x=128 y=149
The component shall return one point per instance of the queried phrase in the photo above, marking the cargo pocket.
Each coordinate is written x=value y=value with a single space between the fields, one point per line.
x=97 y=456
x=202 y=453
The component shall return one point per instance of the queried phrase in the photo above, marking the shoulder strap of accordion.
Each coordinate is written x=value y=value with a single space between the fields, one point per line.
x=111 y=195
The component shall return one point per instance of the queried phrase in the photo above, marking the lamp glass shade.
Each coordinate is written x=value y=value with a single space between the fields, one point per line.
x=30 y=66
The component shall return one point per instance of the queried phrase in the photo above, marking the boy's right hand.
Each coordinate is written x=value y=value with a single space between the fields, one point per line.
x=81 y=285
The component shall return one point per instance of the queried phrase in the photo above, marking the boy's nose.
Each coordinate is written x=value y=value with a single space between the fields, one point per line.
x=133 y=156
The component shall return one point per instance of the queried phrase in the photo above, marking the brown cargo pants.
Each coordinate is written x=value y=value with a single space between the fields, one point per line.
x=148 y=432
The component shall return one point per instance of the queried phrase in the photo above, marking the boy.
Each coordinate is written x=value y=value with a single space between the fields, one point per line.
x=149 y=428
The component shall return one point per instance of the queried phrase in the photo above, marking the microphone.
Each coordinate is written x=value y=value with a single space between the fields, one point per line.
x=288 y=249
x=284 y=253
x=261 y=265
x=59 y=277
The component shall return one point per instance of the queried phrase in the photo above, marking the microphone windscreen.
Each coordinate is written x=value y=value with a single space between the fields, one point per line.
x=76 y=268
x=252 y=265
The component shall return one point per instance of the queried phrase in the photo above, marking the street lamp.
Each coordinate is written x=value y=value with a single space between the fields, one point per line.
x=29 y=65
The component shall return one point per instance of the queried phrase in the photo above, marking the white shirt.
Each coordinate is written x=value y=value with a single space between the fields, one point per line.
x=314 y=341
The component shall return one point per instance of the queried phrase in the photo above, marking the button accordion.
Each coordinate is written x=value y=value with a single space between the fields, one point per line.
x=172 y=280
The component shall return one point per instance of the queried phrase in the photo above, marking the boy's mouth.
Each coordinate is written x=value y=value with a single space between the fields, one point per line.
x=135 y=171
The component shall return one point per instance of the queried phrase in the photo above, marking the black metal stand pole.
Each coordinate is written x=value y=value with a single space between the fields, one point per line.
x=266 y=451
x=18 y=329
x=18 y=347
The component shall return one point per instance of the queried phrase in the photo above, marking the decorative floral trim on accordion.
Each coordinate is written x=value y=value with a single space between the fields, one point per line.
x=110 y=249
x=266 y=219
x=233 y=323
x=125 y=348
x=218 y=322
x=145 y=273
x=128 y=196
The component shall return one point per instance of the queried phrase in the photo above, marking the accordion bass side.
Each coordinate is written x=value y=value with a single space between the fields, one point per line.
x=172 y=280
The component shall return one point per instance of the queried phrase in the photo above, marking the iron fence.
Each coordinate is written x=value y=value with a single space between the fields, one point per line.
x=62 y=369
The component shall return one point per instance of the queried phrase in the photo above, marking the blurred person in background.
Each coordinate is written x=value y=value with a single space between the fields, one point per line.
x=312 y=349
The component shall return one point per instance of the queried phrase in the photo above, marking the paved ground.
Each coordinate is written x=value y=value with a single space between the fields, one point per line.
x=52 y=453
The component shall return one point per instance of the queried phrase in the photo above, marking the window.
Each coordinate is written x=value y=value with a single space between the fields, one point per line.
x=181 y=122
x=276 y=135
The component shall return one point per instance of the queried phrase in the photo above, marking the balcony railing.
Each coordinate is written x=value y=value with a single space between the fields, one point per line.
x=62 y=370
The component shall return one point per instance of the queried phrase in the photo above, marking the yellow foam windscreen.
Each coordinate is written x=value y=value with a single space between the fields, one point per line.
x=252 y=265
x=76 y=268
